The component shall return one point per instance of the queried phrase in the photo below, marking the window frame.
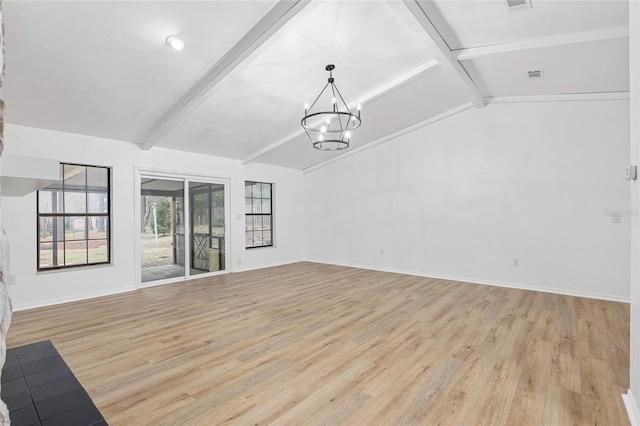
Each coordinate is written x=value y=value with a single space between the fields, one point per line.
x=86 y=215
x=251 y=214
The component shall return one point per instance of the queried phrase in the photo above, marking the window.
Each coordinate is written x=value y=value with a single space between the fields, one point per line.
x=258 y=206
x=74 y=218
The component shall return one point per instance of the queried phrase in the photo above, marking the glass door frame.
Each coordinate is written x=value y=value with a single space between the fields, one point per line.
x=202 y=243
x=186 y=178
x=164 y=192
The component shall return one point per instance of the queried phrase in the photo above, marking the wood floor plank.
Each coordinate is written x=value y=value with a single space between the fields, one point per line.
x=309 y=343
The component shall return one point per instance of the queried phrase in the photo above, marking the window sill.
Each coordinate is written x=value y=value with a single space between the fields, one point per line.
x=260 y=247
x=74 y=268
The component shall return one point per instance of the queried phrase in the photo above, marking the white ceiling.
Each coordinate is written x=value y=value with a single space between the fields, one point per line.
x=101 y=68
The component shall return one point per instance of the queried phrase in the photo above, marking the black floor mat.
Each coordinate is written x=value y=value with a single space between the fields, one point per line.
x=40 y=389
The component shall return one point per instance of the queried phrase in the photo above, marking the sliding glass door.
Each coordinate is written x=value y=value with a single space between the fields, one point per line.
x=178 y=245
x=207 y=227
x=162 y=229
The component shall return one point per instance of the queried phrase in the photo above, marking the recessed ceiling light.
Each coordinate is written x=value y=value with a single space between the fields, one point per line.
x=176 y=42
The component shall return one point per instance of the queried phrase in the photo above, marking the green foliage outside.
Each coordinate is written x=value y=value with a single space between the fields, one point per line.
x=163 y=215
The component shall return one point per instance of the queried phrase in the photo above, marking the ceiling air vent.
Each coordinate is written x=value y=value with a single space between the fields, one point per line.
x=513 y=5
x=535 y=75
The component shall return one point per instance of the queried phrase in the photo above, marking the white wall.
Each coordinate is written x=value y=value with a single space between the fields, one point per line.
x=458 y=199
x=634 y=61
x=19 y=214
x=463 y=197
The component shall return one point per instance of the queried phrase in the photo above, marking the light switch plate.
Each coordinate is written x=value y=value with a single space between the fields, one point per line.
x=631 y=172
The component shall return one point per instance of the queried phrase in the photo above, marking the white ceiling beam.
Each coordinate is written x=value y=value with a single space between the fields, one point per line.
x=559 y=40
x=391 y=136
x=444 y=54
x=278 y=16
x=569 y=97
x=368 y=97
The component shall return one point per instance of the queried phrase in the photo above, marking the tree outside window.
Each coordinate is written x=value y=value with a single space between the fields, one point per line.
x=74 y=218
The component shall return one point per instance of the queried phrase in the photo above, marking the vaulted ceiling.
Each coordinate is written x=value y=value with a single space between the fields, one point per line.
x=237 y=90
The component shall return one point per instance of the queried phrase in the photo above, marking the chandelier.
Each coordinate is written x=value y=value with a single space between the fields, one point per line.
x=330 y=130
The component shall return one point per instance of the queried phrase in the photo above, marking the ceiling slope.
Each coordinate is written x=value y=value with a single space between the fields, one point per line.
x=259 y=105
x=101 y=68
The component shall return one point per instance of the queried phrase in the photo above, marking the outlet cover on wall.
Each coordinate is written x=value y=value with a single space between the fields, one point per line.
x=516 y=262
x=12 y=279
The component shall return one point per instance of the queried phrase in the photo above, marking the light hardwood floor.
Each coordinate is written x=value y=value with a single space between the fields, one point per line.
x=317 y=344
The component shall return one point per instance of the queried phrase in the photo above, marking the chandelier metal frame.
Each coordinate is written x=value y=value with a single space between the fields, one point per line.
x=330 y=130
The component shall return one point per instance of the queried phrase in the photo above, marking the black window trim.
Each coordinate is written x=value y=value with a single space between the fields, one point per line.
x=261 y=214
x=86 y=214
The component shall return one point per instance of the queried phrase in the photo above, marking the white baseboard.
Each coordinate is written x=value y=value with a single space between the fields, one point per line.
x=632 y=408
x=239 y=268
x=85 y=296
x=74 y=298
x=483 y=282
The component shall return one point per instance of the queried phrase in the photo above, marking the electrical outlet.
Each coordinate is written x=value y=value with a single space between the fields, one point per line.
x=516 y=262
x=381 y=251
x=12 y=279
x=239 y=261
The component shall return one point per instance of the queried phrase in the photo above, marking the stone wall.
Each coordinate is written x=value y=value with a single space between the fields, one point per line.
x=5 y=302
x=5 y=313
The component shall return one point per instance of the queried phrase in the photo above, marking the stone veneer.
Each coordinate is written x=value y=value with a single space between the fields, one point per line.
x=5 y=314
x=5 y=302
